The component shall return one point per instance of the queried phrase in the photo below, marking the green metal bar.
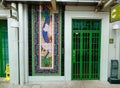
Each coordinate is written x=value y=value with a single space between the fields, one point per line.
x=90 y=56
x=75 y=57
x=72 y=73
x=5 y=47
x=99 y=47
x=2 y=56
x=83 y=61
x=74 y=54
x=0 y=53
x=81 y=52
x=86 y=31
x=3 y=52
x=96 y=56
x=32 y=26
x=87 y=54
x=60 y=39
x=4 y=44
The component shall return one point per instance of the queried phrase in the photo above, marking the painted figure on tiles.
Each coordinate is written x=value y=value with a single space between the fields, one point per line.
x=46 y=38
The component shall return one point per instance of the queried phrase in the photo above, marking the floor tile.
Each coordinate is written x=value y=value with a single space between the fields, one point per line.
x=36 y=86
x=66 y=84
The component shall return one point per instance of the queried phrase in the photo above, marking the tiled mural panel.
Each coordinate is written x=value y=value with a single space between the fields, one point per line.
x=45 y=26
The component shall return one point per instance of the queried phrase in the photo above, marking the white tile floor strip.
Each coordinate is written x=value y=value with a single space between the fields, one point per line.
x=70 y=84
x=36 y=86
x=27 y=86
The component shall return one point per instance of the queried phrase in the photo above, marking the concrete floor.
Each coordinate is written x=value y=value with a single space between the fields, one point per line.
x=70 y=84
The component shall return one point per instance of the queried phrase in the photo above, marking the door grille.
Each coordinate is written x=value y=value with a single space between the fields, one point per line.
x=3 y=47
x=86 y=49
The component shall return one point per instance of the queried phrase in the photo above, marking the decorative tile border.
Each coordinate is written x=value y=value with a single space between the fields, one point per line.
x=42 y=16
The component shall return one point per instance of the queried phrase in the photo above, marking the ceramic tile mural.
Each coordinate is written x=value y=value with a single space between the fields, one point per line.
x=46 y=38
x=45 y=41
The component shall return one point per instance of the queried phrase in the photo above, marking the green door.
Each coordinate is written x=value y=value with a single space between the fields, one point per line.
x=86 y=40
x=3 y=47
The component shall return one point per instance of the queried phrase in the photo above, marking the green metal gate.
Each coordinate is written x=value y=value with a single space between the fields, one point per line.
x=3 y=47
x=86 y=40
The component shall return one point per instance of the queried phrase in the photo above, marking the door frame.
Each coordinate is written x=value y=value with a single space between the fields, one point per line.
x=104 y=16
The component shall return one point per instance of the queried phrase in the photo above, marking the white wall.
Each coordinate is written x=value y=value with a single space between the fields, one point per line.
x=114 y=49
x=104 y=16
x=13 y=51
x=4 y=13
x=111 y=48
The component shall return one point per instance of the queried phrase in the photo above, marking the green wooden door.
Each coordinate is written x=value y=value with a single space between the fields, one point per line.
x=3 y=47
x=86 y=40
